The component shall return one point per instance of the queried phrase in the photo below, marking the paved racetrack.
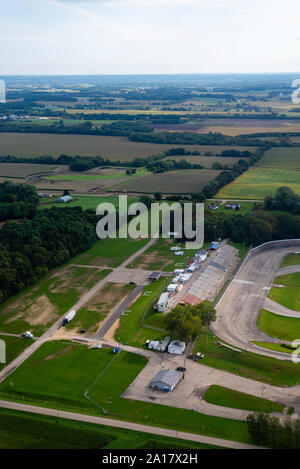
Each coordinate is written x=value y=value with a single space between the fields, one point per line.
x=240 y=305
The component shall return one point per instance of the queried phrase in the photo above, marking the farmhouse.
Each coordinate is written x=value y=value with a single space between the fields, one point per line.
x=165 y=380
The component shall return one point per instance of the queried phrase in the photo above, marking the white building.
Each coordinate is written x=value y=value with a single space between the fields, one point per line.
x=176 y=347
x=172 y=288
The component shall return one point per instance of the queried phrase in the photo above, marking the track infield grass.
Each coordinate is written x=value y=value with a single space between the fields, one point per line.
x=289 y=294
x=281 y=327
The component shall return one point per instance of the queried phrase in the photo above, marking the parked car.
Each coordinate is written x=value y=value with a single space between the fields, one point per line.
x=82 y=331
x=181 y=368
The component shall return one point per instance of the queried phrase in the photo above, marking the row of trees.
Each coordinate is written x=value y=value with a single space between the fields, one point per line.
x=285 y=199
x=269 y=432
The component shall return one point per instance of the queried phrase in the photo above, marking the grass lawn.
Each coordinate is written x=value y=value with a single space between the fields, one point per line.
x=246 y=364
x=160 y=257
x=91 y=177
x=86 y=202
x=110 y=252
x=58 y=374
x=20 y=430
x=141 y=313
x=277 y=347
x=238 y=400
x=289 y=296
x=256 y=183
x=243 y=250
x=293 y=259
x=14 y=346
x=279 y=326
x=246 y=207
x=97 y=308
x=40 y=305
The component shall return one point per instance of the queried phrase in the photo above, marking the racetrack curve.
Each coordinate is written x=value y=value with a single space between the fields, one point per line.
x=241 y=303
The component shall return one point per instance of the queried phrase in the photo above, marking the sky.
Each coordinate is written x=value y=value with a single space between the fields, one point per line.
x=149 y=36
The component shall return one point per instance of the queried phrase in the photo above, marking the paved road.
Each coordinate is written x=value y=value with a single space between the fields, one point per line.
x=127 y=425
x=276 y=308
x=239 y=307
x=118 y=310
x=84 y=298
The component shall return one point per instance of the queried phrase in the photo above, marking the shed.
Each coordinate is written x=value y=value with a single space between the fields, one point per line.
x=165 y=380
x=178 y=253
x=64 y=199
x=176 y=347
x=154 y=276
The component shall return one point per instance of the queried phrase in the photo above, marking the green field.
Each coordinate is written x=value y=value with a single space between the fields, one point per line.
x=276 y=346
x=76 y=368
x=112 y=148
x=171 y=182
x=110 y=252
x=238 y=400
x=282 y=158
x=246 y=364
x=86 y=202
x=98 y=307
x=282 y=327
x=293 y=259
x=289 y=295
x=246 y=207
x=14 y=346
x=256 y=183
x=133 y=328
x=20 y=430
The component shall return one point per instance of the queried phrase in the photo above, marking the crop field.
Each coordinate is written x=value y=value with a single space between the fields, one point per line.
x=256 y=183
x=76 y=369
x=20 y=170
x=95 y=311
x=172 y=182
x=39 y=306
x=219 y=395
x=282 y=158
x=281 y=327
x=289 y=295
x=112 y=148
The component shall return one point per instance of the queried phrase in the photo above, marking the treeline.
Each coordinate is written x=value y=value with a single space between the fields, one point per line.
x=269 y=432
x=137 y=132
x=285 y=199
x=17 y=201
x=30 y=248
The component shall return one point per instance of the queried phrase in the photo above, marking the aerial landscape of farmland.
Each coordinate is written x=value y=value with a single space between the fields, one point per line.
x=149 y=229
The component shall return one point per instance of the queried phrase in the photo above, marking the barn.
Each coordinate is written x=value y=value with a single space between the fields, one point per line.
x=165 y=380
